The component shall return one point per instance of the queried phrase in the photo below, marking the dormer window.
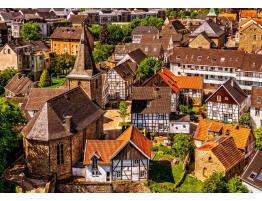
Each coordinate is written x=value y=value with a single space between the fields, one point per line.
x=148 y=104
x=94 y=163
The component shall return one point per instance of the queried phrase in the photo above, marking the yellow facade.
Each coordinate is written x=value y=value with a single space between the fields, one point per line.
x=251 y=38
x=62 y=47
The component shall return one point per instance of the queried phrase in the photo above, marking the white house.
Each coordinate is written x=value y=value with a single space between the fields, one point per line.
x=256 y=107
x=227 y=103
x=125 y=158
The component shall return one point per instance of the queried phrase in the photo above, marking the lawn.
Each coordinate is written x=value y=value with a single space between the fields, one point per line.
x=57 y=82
x=191 y=185
x=164 y=176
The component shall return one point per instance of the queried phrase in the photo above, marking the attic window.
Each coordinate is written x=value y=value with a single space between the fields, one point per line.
x=178 y=57
x=146 y=49
x=199 y=58
x=222 y=59
x=218 y=98
x=254 y=64
x=226 y=98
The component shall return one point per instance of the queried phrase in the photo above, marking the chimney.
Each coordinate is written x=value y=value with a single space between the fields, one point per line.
x=232 y=82
x=68 y=123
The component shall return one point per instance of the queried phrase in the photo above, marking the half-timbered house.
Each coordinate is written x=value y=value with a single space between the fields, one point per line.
x=154 y=109
x=125 y=158
x=121 y=78
x=227 y=103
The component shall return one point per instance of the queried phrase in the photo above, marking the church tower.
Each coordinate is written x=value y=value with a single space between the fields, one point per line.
x=212 y=15
x=85 y=73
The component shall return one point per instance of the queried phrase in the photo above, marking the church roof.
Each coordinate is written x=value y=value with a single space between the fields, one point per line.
x=84 y=67
x=49 y=122
x=210 y=27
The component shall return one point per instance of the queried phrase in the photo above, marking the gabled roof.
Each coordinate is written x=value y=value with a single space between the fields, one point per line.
x=38 y=96
x=239 y=134
x=233 y=90
x=108 y=149
x=205 y=36
x=19 y=84
x=225 y=151
x=78 y=19
x=127 y=69
x=212 y=29
x=168 y=77
x=189 y=82
x=253 y=173
x=84 y=67
x=7 y=16
x=137 y=55
x=256 y=97
x=145 y=30
x=48 y=123
x=159 y=97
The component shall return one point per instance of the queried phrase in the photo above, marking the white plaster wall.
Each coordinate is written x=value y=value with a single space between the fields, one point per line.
x=99 y=178
x=179 y=127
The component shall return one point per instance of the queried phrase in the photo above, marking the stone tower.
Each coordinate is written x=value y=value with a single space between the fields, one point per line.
x=85 y=73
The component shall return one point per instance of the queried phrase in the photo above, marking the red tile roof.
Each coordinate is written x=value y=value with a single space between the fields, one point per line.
x=169 y=79
x=107 y=149
x=248 y=13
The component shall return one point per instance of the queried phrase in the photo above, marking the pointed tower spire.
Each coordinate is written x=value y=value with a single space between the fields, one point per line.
x=84 y=65
x=212 y=13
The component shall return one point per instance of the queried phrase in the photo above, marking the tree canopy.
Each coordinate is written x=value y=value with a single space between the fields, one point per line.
x=183 y=145
x=235 y=186
x=44 y=79
x=31 y=31
x=5 y=76
x=123 y=110
x=216 y=183
x=244 y=119
x=258 y=135
x=116 y=34
x=148 y=67
x=62 y=63
x=95 y=29
x=102 y=52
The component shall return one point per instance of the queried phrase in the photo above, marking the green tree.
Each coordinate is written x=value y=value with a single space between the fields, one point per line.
x=102 y=52
x=258 y=135
x=148 y=67
x=95 y=29
x=216 y=183
x=62 y=63
x=104 y=34
x=123 y=111
x=244 y=119
x=183 y=145
x=172 y=13
x=152 y=21
x=5 y=76
x=44 y=79
x=31 y=31
x=11 y=117
x=235 y=186
x=116 y=34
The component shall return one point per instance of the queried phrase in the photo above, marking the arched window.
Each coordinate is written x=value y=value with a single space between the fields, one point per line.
x=60 y=154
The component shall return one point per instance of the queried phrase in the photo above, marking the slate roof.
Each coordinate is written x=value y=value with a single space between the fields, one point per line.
x=159 y=97
x=253 y=173
x=84 y=67
x=217 y=57
x=47 y=15
x=38 y=96
x=234 y=91
x=127 y=69
x=137 y=55
x=240 y=134
x=19 y=84
x=256 y=97
x=212 y=29
x=145 y=30
x=106 y=150
x=48 y=123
